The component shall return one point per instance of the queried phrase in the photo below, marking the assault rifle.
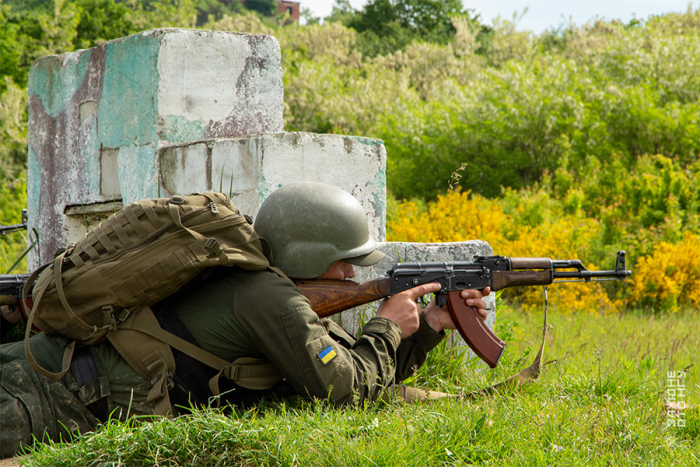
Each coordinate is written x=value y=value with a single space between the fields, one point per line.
x=329 y=297
x=11 y=287
x=14 y=228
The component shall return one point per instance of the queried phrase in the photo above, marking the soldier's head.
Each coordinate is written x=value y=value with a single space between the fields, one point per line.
x=310 y=226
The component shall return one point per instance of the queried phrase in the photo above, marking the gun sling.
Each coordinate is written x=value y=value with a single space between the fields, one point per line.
x=190 y=386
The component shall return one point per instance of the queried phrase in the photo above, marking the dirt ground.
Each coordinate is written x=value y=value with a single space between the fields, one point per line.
x=9 y=462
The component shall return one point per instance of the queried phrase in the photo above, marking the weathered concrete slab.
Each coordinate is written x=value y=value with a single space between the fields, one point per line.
x=397 y=252
x=249 y=169
x=96 y=116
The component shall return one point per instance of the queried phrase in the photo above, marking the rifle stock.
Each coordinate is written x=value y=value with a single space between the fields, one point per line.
x=328 y=296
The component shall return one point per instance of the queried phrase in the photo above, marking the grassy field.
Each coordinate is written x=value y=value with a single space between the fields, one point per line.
x=601 y=403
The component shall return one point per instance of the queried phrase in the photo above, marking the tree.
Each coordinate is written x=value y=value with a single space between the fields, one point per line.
x=208 y=10
x=46 y=32
x=264 y=7
x=100 y=21
x=20 y=6
x=429 y=18
x=9 y=50
x=342 y=12
x=375 y=17
x=389 y=25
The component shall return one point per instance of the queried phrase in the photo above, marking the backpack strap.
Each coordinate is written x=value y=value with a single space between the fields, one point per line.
x=209 y=243
x=257 y=376
x=247 y=372
x=192 y=376
x=250 y=373
x=172 y=340
x=152 y=357
x=68 y=354
x=58 y=282
x=190 y=382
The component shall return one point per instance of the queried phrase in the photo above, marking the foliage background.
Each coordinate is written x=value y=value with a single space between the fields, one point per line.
x=573 y=143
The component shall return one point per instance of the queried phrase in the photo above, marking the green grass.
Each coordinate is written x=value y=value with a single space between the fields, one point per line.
x=600 y=404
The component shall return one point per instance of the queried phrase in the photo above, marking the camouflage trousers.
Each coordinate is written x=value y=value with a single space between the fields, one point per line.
x=35 y=408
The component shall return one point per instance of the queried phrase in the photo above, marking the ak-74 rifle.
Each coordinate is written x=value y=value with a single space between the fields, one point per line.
x=329 y=297
x=11 y=287
x=14 y=228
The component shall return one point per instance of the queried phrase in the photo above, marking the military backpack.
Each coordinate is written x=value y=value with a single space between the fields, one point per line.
x=102 y=287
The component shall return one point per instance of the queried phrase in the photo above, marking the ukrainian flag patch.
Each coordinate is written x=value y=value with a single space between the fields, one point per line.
x=327 y=354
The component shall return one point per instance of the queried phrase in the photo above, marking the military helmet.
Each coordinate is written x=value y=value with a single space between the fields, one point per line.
x=311 y=225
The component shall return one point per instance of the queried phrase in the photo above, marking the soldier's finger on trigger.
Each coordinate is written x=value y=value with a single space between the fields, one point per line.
x=424 y=289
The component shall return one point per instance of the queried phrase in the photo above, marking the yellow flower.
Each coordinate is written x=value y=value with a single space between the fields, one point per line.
x=670 y=277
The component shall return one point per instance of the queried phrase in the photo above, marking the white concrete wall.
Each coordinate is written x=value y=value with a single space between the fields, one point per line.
x=251 y=168
x=97 y=116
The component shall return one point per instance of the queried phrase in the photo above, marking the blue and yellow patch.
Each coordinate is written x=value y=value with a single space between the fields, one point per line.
x=327 y=354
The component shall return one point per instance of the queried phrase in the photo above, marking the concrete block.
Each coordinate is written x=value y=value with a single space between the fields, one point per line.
x=249 y=169
x=398 y=252
x=97 y=116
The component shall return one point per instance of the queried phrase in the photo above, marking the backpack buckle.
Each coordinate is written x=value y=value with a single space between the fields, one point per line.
x=122 y=316
x=213 y=208
x=177 y=199
x=213 y=246
x=108 y=316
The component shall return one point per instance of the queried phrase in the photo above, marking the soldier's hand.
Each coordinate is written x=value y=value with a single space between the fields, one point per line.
x=439 y=318
x=403 y=309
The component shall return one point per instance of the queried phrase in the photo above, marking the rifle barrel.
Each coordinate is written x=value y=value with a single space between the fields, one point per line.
x=12 y=228
x=587 y=275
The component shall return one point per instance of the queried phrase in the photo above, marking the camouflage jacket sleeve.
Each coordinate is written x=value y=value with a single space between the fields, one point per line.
x=414 y=349
x=314 y=356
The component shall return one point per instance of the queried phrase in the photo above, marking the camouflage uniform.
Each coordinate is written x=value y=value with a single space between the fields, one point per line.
x=233 y=314
x=34 y=406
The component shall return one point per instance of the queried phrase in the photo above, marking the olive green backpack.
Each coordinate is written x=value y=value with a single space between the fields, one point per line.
x=102 y=287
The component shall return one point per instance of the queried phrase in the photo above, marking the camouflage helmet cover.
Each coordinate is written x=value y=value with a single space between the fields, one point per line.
x=311 y=225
